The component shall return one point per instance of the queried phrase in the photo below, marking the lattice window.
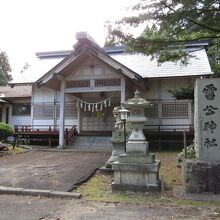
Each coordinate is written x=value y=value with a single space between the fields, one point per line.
x=175 y=110
x=57 y=111
x=152 y=111
x=78 y=83
x=107 y=82
x=70 y=111
x=43 y=111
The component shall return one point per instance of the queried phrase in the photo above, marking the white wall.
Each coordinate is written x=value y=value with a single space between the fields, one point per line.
x=158 y=88
x=20 y=120
x=92 y=69
x=43 y=94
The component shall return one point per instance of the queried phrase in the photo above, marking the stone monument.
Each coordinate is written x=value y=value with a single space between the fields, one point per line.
x=203 y=173
x=136 y=170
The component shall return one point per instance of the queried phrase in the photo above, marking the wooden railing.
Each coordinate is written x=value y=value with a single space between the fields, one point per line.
x=36 y=128
x=169 y=127
x=69 y=134
x=43 y=132
x=167 y=134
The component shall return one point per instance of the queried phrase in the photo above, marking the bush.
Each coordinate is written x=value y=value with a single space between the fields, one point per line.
x=5 y=131
x=182 y=93
x=190 y=153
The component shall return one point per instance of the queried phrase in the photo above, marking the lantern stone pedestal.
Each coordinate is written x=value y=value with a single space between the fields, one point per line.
x=117 y=141
x=136 y=170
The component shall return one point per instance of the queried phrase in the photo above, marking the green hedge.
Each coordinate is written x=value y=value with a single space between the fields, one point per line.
x=5 y=131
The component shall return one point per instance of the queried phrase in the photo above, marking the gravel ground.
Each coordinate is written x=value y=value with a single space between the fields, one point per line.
x=116 y=211
x=40 y=208
x=49 y=170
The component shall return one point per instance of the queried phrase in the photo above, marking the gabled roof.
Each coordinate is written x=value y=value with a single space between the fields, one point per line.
x=133 y=65
x=87 y=47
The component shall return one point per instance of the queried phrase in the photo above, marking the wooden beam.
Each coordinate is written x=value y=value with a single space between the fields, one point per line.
x=95 y=89
x=123 y=87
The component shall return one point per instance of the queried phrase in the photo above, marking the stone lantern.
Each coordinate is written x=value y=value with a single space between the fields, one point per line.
x=136 y=170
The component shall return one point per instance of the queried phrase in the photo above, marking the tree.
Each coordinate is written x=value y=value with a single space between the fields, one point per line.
x=170 y=24
x=25 y=67
x=5 y=69
x=5 y=131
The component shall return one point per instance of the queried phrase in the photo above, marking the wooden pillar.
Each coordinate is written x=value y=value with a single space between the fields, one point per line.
x=79 y=117
x=54 y=115
x=123 y=86
x=62 y=117
x=184 y=144
x=190 y=112
x=50 y=141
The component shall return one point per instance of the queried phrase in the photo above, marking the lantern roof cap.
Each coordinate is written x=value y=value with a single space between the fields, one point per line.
x=136 y=101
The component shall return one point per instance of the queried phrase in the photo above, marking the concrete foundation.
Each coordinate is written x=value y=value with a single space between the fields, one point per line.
x=201 y=176
x=149 y=159
x=134 y=188
x=136 y=173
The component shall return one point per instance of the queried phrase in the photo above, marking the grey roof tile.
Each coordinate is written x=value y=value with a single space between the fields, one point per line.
x=16 y=91
x=147 y=68
x=138 y=63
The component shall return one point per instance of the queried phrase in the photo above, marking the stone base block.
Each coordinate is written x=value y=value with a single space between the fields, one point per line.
x=201 y=176
x=137 y=148
x=135 y=188
x=149 y=159
x=137 y=177
x=152 y=167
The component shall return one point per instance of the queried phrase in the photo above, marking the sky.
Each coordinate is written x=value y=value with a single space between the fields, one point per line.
x=30 y=26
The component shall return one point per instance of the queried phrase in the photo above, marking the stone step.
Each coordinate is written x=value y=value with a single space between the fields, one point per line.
x=91 y=141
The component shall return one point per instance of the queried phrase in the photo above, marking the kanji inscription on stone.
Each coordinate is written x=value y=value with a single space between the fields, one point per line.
x=210 y=126
x=210 y=110
x=210 y=142
x=207 y=119
x=209 y=91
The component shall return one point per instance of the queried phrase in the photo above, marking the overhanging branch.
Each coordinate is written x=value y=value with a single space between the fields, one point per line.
x=193 y=21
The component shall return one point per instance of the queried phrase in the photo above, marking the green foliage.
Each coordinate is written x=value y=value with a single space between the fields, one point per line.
x=182 y=93
x=214 y=58
x=170 y=24
x=190 y=153
x=5 y=131
x=5 y=69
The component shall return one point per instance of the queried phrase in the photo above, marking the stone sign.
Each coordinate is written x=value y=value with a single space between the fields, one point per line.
x=207 y=119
